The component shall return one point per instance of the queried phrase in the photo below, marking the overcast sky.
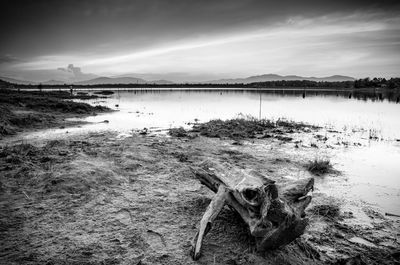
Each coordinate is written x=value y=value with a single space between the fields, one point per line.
x=228 y=38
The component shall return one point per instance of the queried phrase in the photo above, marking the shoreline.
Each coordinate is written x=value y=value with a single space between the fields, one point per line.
x=211 y=88
x=23 y=111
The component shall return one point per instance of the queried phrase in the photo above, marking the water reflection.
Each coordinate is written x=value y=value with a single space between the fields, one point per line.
x=166 y=108
x=365 y=95
x=370 y=94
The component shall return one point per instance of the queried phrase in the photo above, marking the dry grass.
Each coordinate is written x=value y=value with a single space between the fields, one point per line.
x=248 y=127
x=319 y=166
x=178 y=132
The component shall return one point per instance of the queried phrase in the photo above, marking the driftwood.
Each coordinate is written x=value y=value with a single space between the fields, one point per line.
x=274 y=214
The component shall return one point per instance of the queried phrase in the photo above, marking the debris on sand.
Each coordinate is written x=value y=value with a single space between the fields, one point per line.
x=256 y=193
x=392 y=214
x=326 y=210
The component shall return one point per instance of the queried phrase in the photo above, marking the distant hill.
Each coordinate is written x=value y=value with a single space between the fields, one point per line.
x=273 y=77
x=174 y=77
x=16 y=81
x=54 y=82
x=121 y=80
x=135 y=80
x=335 y=78
x=95 y=81
x=110 y=80
x=160 y=82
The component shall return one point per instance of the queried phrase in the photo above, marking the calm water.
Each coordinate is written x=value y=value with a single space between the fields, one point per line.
x=370 y=173
x=138 y=109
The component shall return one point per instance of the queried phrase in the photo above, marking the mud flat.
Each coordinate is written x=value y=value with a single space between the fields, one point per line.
x=104 y=198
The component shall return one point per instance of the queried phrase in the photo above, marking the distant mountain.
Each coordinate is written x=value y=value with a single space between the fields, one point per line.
x=336 y=78
x=174 y=77
x=160 y=82
x=121 y=80
x=95 y=81
x=53 y=82
x=273 y=77
x=17 y=81
x=136 y=80
x=110 y=80
x=68 y=75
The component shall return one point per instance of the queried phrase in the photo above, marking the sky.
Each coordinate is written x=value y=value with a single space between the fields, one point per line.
x=198 y=40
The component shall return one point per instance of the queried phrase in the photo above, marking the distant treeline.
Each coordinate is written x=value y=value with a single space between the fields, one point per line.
x=302 y=84
x=393 y=83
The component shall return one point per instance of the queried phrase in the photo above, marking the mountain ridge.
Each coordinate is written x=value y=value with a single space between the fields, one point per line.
x=135 y=80
x=17 y=81
x=275 y=77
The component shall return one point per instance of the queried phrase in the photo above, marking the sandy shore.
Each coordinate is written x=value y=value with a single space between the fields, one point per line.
x=106 y=199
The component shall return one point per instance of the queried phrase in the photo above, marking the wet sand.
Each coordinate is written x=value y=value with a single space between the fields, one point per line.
x=108 y=199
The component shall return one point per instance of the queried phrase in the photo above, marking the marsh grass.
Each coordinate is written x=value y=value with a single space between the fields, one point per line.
x=248 y=127
x=319 y=166
x=178 y=132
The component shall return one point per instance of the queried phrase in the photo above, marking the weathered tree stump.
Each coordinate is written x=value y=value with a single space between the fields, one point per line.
x=274 y=213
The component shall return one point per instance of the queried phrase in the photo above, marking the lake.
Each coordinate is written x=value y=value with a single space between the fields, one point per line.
x=138 y=109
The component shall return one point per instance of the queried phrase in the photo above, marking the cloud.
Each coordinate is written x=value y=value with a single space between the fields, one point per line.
x=76 y=72
x=243 y=37
x=7 y=59
x=70 y=68
x=54 y=27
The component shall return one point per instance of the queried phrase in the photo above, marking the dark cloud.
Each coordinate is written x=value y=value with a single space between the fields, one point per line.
x=48 y=33
x=37 y=27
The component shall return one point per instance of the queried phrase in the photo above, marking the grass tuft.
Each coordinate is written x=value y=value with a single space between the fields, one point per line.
x=319 y=166
x=178 y=132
